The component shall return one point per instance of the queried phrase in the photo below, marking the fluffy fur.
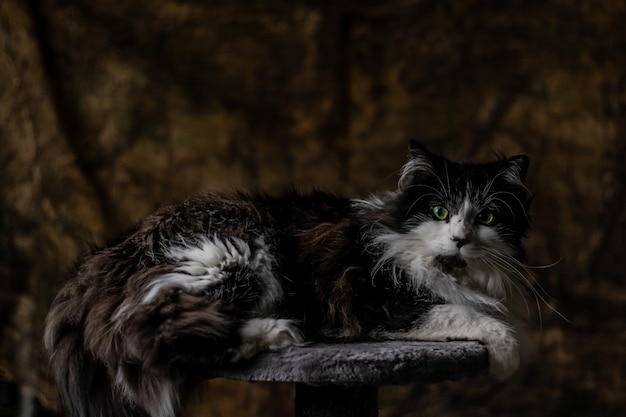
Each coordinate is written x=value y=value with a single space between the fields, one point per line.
x=221 y=277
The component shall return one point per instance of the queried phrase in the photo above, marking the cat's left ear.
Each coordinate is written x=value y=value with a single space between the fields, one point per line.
x=515 y=169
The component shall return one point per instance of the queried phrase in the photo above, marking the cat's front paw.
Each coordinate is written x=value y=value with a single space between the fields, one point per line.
x=261 y=334
x=504 y=357
x=501 y=341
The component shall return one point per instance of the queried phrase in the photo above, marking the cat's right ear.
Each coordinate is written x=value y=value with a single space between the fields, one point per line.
x=418 y=166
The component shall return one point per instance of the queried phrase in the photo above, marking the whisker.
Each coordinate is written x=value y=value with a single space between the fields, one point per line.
x=515 y=198
x=428 y=187
x=519 y=290
x=502 y=267
x=417 y=201
x=555 y=263
x=508 y=206
x=510 y=262
x=445 y=165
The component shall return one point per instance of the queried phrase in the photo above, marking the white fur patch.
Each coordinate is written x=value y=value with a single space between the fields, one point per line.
x=374 y=202
x=445 y=322
x=200 y=266
x=260 y=334
x=413 y=254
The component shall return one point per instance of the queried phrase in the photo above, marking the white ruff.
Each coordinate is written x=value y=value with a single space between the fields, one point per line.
x=200 y=266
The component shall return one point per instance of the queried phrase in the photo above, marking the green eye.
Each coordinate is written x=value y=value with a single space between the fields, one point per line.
x=485 y=217
x=440 y=212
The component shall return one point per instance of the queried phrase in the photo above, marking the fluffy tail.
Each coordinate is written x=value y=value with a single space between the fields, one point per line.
x=131 y=360
x=85 y=386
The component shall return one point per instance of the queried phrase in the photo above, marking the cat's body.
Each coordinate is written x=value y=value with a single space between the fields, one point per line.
x=221 y=277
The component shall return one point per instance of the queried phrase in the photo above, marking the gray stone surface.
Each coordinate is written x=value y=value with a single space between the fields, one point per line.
x=374 y=364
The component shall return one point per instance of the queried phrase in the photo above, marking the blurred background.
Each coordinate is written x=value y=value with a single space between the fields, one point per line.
x=111 y=109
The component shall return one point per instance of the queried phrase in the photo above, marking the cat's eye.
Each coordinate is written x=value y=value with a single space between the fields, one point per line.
x=440 y=212
x=485 y=217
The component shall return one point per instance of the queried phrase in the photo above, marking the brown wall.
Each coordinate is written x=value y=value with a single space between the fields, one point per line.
x=108 y=110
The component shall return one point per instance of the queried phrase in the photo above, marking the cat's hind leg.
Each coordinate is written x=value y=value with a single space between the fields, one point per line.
x=197 y=309
x=227 y=269
x=239 y=275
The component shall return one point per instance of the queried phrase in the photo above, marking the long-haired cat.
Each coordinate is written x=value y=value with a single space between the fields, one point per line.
x=221 y=277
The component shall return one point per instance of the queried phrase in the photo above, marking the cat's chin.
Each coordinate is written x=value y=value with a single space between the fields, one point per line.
x=451 y=263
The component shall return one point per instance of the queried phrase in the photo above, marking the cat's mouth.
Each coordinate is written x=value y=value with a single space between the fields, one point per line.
x=451 y=262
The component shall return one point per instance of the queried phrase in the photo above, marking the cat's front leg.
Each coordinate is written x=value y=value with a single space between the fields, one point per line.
x=458 y=322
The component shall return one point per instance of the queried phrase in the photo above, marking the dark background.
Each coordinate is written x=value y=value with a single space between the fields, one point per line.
x=110 y=109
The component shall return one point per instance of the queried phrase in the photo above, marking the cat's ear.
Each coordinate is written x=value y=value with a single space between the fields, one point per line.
x=418 y=166
x=417 y=150
x=515 y=169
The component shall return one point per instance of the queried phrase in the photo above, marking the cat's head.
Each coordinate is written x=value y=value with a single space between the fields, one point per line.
x=460 y=218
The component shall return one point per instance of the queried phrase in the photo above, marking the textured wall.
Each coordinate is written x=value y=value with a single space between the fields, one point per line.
x=110 y=110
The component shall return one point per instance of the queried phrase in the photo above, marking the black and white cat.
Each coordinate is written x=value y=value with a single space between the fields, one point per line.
x=221 y=277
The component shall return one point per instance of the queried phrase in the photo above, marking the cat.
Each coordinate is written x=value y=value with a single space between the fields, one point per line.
x=221 y=277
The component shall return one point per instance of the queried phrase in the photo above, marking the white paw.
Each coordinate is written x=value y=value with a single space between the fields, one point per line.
x=504 y=357
x=501 y=341
x=262 y=334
